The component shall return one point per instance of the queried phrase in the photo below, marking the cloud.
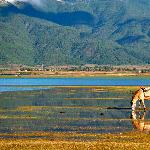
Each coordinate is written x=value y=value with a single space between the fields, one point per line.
x=38 y=3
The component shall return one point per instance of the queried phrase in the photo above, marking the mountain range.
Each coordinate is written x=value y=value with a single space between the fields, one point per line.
x=61 y=32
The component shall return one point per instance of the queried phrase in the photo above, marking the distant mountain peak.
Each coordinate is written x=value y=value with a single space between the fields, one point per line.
x=3 y=1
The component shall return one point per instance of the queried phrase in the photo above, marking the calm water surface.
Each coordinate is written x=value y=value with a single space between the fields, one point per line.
x=77 y=81
x=15 y=84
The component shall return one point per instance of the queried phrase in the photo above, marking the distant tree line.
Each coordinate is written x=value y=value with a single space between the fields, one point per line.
x=86 y=67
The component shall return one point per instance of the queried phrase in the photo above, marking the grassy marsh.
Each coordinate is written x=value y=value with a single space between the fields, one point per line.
x=70 y=118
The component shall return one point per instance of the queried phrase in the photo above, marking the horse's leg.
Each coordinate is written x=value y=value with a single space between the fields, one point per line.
x=142 y=116
x=133 y=104
x=142 y=103
x=134 y=115
x=141 y=98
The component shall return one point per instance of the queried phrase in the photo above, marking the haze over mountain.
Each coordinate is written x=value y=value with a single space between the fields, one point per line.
x=59 y=32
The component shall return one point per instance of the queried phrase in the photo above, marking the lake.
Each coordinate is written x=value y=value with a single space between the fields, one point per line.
x=77 y=81
x=96 y=105
x=12 y=84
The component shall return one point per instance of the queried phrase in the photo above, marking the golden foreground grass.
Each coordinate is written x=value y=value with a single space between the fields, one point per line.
x=64 y=141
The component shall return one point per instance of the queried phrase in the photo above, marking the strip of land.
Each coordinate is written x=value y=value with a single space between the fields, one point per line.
x=87 y=70
x=51 y=74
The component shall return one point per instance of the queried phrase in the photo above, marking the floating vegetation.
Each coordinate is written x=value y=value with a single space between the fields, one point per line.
x=30 y=108
x=99 y=98
x=17 y=117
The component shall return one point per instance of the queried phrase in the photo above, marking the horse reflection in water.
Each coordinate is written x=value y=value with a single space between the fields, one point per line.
x=139 y=122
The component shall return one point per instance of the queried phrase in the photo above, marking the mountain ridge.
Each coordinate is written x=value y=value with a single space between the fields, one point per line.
x=96 y=32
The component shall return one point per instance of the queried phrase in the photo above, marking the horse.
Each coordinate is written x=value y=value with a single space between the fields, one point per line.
x=140 y=95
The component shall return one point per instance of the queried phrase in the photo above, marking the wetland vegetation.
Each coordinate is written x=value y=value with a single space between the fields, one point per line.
x=72 y=117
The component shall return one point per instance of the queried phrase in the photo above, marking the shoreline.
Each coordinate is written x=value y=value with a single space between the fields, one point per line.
x=68 y=74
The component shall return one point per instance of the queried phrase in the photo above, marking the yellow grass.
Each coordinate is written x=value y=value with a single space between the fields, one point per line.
x=30 y=108
x=126 y=141
x=99 y=98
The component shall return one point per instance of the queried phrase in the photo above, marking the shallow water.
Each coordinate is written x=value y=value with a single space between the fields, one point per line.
x=68 y=109
x=100 y=81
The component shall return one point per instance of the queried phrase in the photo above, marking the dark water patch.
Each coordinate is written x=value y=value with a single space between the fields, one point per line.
x=19 y=88
x=77 y=126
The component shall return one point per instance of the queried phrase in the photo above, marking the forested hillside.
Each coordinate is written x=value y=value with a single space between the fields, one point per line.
x=75 y=32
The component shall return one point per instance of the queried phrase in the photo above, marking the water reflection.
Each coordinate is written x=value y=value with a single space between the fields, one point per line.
x=140 y=122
